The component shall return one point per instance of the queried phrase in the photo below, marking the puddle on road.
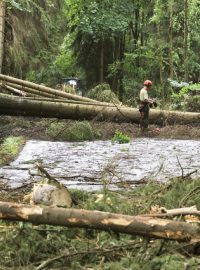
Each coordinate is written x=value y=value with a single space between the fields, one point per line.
x=82 y=165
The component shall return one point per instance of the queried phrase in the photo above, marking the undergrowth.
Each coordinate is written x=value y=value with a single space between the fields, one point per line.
x=9 y=148
x=76 y=131
x=24 y=246
x=120 y=137
x=103 y=92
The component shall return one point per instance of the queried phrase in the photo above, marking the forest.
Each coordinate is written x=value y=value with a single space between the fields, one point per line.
x=121 y=43
x=81 y=185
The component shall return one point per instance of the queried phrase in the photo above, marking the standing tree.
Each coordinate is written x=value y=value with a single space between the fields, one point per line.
x=2 y=24
x=99 y=28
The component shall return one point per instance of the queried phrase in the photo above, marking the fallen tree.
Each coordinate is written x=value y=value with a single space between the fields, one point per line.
x=134 y=225
x=28 y=90
x=42 y=88
x=10 y=105
x=15 y=91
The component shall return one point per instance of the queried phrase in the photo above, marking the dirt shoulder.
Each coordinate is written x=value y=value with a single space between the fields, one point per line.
x=37 y=128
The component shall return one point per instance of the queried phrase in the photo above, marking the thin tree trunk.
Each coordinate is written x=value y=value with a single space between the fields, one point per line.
x=134 y=225
x=2 y=26
x=15 y=91
x=186 y=40
x=171 y=66
x=10 y=105
x=28 y=90
x=160 y=55
x=102 y=62
x=121 y=73
x=142 y=29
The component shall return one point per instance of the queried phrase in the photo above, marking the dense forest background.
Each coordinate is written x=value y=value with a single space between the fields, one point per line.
x=119 y=42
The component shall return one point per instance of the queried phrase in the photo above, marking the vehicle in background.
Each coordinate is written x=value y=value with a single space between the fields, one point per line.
x=75 y=83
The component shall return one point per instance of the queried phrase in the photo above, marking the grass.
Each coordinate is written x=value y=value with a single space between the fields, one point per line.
x=9 y=148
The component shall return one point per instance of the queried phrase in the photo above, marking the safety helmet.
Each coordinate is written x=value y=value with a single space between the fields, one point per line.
x=148 y=83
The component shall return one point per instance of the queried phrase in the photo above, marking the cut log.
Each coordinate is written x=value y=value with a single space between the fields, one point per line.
x=15 y=91
x=30 y=90
x=52 y=97
x=10 y=105
x=134 y=225
x=43 y=88
x=50 y=195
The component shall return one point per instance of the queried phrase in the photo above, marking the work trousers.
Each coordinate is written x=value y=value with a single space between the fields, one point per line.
x=144 y=115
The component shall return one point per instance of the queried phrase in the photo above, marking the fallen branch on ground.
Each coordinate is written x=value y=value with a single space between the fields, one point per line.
x=175 y=212
x=134 y=225
x=102 y=251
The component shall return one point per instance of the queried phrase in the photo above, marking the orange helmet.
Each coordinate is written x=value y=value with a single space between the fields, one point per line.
x=148 y=83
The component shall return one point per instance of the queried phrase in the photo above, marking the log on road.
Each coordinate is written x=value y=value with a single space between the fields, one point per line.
x=10 y=105
x=134 y=225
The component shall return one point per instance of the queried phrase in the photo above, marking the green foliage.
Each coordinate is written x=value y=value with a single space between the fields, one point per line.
x=85 y=248
x=188 y=98
x=77 y=131
x=103 y=19
x=54 y=129
x=38 y=30
x=193 y=104
x=102 y=92
x=10 y=148
x=120 y=137
x=68 y=89
x=131 y=39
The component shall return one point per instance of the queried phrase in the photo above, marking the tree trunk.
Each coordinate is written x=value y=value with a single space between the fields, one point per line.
x=186 y=40
x=134 y=225
x=15 y=91
x=31 y=90
x=102 y=62
x=160 y=57
x=2 y=25
x=56 y=93
x=10 y=105
x=171 y=66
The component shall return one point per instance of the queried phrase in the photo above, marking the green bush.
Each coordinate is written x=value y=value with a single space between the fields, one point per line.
x=120 y=137
x=192 y=104
x=102 y=92
x=77 y=131
x=188 y=98
x=54 y=129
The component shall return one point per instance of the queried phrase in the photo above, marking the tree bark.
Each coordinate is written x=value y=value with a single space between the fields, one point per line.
x=2 y=26
x=31 y=90
x=56 y=93
x=160 y=57
x=134 y=225
x=102 y=62
x=10 y=105
x=171 y=65
x=186 y=60
x=15 y=91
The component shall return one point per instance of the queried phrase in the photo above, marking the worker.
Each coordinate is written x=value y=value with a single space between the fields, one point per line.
x=144 y=106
